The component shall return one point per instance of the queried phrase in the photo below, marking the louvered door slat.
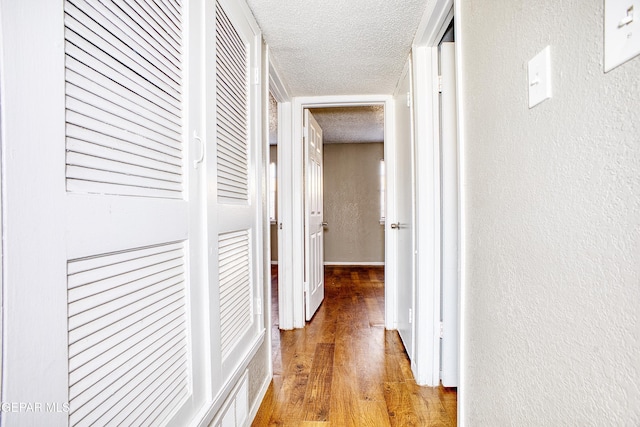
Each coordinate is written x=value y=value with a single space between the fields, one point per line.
x=102 y=152
x=144 y=35
x=88 y=333
x=137 y=393
x=78 y=138
x=233 y=175
x=102 y=340
x=109 y=366
x=128 y=290
x=110 y=183
x=232 y=72
x=232 y=95
x=79 y=106
x=107 y=132
x=114 y=166
x=126 y=259
x=233 y=128
x=235 y=289
x=133 y=391
x=235 y=99
x=167 y=11
x=124 y=88
x=235 y=42
x=125 y=35
x=227 y=147
x=127 y=318
x=119 y=127
x=157 y=15
x=169 y=391
x=138 y=97
x=117 y=98
x=87 y=413
x=230 y=130
x=82 y=24
x=118 y=285
x=103 y=66
x=157 y=290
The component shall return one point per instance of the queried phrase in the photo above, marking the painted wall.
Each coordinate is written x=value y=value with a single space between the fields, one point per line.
x=352 y=203
x=553 y=220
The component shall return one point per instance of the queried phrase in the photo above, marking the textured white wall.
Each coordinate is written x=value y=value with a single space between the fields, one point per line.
x=553 y=220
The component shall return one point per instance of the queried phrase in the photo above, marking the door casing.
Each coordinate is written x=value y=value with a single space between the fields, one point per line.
x=291 y=204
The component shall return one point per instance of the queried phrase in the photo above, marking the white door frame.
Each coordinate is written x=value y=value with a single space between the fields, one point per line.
x=425 y=54
x=291 y=208
x=284 y=175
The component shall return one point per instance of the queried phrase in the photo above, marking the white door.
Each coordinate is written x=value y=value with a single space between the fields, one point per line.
x=314 y=229
x=233 y=164
x=403 y=224
x=449 y=205
x=97 y=237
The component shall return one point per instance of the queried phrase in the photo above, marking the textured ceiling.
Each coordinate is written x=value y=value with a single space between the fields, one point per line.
x=351 y=124
x=339 y=47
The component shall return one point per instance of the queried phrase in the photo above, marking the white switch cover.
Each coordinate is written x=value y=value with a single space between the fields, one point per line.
x=540 y=77
x=621 y=32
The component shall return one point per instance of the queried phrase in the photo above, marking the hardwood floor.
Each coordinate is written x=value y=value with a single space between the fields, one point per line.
x=345 y=369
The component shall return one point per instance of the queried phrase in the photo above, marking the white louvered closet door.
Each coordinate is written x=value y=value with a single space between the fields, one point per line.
x=99 y=311
x=234 y=231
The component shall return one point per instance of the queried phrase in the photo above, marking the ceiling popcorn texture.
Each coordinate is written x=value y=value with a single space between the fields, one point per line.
x=331 y=47
x=351 y=124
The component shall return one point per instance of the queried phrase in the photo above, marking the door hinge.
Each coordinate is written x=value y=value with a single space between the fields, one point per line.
x=440 y=84
x=409 y=99
x=258 y=303
x=410 y=315
x=441 y=330
x=256 y=76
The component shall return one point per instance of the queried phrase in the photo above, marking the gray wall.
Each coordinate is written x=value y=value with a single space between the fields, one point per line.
x=553 y=220
x=351 y=203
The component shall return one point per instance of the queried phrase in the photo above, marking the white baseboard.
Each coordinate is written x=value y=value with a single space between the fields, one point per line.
x=355 y=263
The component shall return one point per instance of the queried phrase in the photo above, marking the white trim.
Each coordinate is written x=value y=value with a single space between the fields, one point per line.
x=434 y=23
x=355 y=263
x=462 y=208
x=425 y=54
x=276 y=85
x=294 y=291
x=274 y=262
x=285 y=218
x=427 y=146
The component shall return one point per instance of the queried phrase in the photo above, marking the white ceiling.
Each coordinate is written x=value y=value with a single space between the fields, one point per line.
x=339 y=47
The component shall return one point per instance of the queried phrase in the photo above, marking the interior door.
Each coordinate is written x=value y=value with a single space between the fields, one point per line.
x=97 y=203
x=314 y=229
x=449 y=204
x=403 y=225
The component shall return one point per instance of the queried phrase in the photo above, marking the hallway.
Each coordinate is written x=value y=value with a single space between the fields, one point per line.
x=343 y=368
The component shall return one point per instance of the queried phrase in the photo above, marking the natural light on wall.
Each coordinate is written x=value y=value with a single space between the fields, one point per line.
x=383 y=188
x=272 y=192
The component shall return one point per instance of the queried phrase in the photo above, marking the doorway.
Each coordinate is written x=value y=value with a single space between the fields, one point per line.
x=355 y=141
x=353 y=188
x=291 y=289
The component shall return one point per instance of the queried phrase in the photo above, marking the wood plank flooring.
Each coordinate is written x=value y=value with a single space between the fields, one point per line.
x=344 y=368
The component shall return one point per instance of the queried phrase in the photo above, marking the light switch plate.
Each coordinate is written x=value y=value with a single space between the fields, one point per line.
x=621 y=32
x=539 y=71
